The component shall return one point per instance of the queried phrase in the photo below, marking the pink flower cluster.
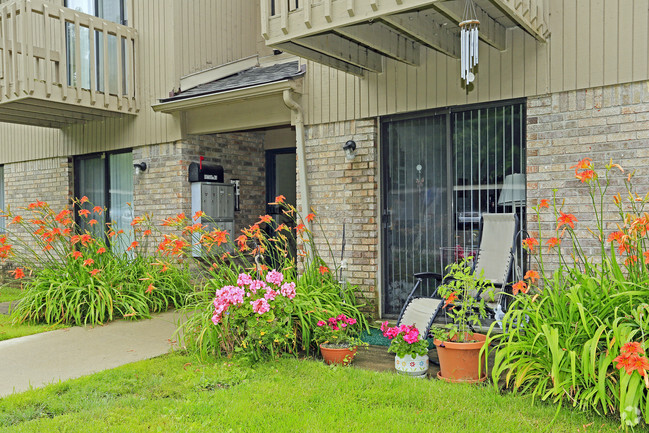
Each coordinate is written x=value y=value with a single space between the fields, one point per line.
x=247 y=287
x=226 y=296
x=409 y=333
x=337 y=323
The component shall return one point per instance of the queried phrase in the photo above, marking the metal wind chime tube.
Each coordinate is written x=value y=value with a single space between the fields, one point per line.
x=469 y=42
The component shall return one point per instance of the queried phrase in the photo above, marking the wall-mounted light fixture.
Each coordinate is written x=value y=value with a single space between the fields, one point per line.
x=350 y=149
x=139 y=168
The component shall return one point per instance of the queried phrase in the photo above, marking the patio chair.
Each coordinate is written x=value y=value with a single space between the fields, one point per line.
x=496 y=256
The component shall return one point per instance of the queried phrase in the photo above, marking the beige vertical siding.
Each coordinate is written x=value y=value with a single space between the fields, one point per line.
x=176 y=38
x=216 y=32
x=593 y=43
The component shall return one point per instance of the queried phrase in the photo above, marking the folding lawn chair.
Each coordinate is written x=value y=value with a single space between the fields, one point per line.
x=495 y=257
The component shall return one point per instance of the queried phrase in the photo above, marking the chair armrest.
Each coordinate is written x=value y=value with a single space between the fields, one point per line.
x=428 y=275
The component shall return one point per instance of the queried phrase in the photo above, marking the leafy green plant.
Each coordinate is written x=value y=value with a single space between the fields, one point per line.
x=461 y=288
x=338 y=331
x=276 y=310
x=406 y=340
x=563 y=336
x=75 y=277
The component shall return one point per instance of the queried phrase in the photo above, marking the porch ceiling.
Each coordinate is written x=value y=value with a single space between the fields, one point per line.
x=355 y=36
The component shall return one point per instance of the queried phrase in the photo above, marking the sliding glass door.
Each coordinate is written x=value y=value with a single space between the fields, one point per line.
x=441 y=171
x=107 y=181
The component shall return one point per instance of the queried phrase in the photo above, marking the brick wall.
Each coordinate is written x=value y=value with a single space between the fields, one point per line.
x=48 y=180
x=602 y=123
x=164 y=190
x=344 y=191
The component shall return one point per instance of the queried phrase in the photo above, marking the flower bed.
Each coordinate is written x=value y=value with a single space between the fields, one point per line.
x=577 y=335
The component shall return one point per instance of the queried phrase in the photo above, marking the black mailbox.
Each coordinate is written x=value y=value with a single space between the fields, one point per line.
x=206 y=173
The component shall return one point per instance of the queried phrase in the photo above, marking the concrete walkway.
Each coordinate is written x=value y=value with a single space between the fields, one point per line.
x=38 y=360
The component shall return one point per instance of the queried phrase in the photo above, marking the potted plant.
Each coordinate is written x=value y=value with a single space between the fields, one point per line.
x=458 y=347
x=339 y=339
x=410 y=349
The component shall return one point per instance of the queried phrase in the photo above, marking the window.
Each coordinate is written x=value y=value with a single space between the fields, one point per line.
x=107 y=181
x=111 y=10
x=441 y=171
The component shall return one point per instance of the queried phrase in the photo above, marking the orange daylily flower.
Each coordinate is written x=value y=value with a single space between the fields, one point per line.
x=300 y=228
x=84 y=212
x=279 y=200
x=585 y=175
x=198 y=215
x=146 y=232
x=101 y=250
x=265 y=219
x=62 y=215
x=88 y=262
x=310 y=217
x=544 y=203
x=37 y=204
x=632 y=347
x=16 y=220
x=77 y=254
x=529 y=243
x=18 y=273
x=521 y=286
x=242 y=242
x=616 y=236
x=98 y=210
x=136 y=221
x=531 y=275
x=646 y=257
x=83 y=199
x=553 y=242
x=323 y=270
x=92 y=222
x=567 y=219
x=150 y=289
x=584 y=163
x=133 y=245
x=95 y=272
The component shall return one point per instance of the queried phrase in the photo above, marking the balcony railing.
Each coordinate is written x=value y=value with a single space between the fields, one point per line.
x=60 y=66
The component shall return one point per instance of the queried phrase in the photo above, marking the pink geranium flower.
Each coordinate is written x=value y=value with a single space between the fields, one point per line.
x=270 y=294
x=288 y=290
x=244 y=280
x=275 y=277
x=260 y=306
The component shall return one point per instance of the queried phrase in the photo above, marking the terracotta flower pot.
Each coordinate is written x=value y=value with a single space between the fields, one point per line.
x=461 y=362
x=338 y=355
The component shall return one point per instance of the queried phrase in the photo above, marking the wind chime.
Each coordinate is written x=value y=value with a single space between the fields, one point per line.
x=469 y=42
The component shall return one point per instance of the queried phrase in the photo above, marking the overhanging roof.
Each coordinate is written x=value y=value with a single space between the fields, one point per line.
x=246 y=100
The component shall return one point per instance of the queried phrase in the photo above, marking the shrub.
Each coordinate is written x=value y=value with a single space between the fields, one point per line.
x=78 y=277
x=563 y=336
x=258 y=326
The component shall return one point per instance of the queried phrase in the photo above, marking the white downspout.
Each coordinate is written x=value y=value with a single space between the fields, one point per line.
x=301 y=153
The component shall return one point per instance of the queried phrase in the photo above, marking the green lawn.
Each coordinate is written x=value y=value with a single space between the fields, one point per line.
x=8 y=330
x=175 y=393
x=8 y=293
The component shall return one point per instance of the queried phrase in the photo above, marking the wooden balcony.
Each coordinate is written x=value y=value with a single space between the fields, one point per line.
x=355 y=35
x=59 y=66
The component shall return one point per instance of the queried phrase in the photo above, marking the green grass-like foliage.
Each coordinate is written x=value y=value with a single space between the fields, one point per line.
x=178 y=393
x=562 y=341
x=76 y=275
